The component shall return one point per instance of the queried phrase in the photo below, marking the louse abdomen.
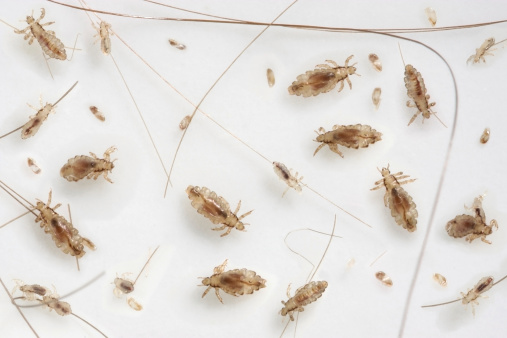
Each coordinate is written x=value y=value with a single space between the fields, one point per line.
x=239 y=282
x=403 y=209
x=50 y=44
x=461 y=226
x=312 y=83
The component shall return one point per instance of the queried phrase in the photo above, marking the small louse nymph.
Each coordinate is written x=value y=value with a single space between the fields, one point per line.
x=471 y=226
x=353 y=136
x=323 y=79
x=216 y=209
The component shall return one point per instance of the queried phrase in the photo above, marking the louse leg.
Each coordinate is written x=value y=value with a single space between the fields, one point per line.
x=493 y=223
x=88 y=243
x=288 y=294
x=342 y=84
x=483 y=238
x=413 y=118
x=319 y=148
x=237 y=208
x=219 y=228
x=407 y=181
x=347 y=60
x=334 y=148
x=217 y=292
x=228 y=231
x=323 y=66
x=333 y=63
x=206 y=292
x=106 y=177
x=219 y=269
x=379 y=185
x=348 y=81
x=244 y=215
x=93 y=155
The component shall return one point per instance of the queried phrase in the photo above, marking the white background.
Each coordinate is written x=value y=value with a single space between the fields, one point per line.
x=128 y=219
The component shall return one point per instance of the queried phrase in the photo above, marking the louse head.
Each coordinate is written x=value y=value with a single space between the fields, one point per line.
x=385 y=171
x=206 y=281
x=240 y=226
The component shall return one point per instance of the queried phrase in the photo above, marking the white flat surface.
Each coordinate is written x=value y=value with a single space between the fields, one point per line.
x=128 y=219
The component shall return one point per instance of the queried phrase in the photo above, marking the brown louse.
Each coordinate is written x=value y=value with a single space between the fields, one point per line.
x=29 y=291
x=216 y=209
x=403 y=208
x=103 y=33
x=82 y=166
x=65 y=236
x=49 y=43
x=305 y=295
x=352 y=136
x=323 y=79
x=97 y=113
x=471 y=226
x=234 y=282
x=416 y=90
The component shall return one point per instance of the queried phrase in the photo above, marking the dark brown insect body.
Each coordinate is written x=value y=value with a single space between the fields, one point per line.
x=82 y=166
x=216 y=209
x=353 y=136
x=304 y=296
x=322 y=79
x=471 y=226
x=49 y=43
x=400 y=202
x=65 y=236
x=234 y=282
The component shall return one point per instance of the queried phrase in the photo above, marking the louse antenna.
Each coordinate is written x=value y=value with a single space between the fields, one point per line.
x=145 y=264
x=19 y=310
x=213 y=86
x=297 y=253
x=384 y=31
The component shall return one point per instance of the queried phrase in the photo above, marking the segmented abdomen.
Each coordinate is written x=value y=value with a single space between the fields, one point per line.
x=314 y=82
x=403 y=208
x=49 y=43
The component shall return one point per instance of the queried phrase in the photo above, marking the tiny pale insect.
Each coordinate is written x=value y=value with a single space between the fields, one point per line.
x=234 y=282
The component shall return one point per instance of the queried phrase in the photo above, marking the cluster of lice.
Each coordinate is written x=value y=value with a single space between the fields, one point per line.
x=271 y=77
x=471 y=226
x=33 y=165
x=375 y=97
x=375 y=62
x=124 y=286
x=177 y=45
x=353 y=136
x=292 y=180
x=485 y=136
x=97 y=113
x=82 y=166
x=323 y=79
x=403 y=209
x=216 y=209
x=234 y=282
x=41 y=294
x=385 y=279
